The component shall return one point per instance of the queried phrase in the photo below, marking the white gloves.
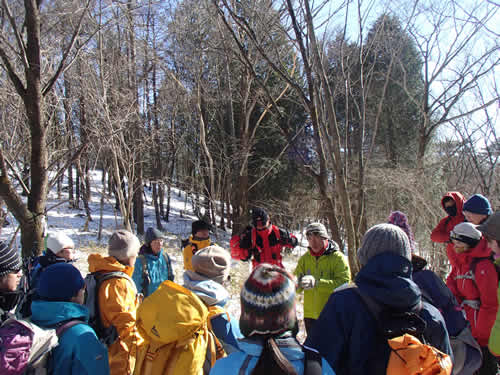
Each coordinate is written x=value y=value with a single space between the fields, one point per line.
x=307 y=282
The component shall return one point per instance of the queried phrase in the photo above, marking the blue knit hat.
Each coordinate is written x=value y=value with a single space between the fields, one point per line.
x=478 y=204
x=60 y=282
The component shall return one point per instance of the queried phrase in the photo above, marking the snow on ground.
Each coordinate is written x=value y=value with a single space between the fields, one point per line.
x=72 y=222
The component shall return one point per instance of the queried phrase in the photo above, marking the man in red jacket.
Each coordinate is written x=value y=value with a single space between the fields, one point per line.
x=263 y=242
x=453 y=203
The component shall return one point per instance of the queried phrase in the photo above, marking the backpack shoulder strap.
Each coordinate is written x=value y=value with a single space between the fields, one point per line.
x=312 y=362
x=102 y=277
x=146 y=279
x=67 y=325
x=169 y=266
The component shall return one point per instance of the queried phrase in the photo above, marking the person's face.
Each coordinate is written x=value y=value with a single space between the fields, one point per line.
x=459 y=246
x=11 y=281
x=66 y=253
x=475 y=219
x=203 y=233
x=80 y=297
x=449 y=203
x=316 y=243
x=261 y=225
x=156 y=245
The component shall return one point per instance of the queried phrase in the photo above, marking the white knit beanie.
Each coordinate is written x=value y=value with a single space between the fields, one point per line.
x=58 y=241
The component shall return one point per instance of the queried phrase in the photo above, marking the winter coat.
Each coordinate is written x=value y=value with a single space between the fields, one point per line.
x=243 y=361
x=79 y=350
x=118 y=303
x=264 y=246
x=494 y=341
x=441 y=233
x=346 y=333
x=150 y=270
x=215 y=296
x=330 y=270
x=191 y=248
x=478 y=297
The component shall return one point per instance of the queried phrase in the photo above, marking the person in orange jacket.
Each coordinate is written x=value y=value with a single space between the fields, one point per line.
x=453 y=203
x=118 y=299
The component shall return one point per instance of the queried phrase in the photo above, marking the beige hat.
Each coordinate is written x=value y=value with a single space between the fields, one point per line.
x=317 y=228
x=212 y=262
x=123 y=245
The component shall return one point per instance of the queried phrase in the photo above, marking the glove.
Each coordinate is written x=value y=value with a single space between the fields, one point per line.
x=307 y=282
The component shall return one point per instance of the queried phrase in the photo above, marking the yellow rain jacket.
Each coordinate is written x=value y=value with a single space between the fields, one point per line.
x=191 y=248
x=118 y=304
x=173 y=322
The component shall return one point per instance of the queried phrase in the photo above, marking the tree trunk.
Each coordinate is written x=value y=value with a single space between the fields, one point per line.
x=157 y=206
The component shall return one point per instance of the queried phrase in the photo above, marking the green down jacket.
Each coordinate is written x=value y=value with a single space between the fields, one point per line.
x=330 y=270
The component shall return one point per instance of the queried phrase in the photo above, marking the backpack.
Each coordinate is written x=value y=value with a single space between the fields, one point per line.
x=409 y=354
x=146 y=278
x=178 y=340
x=26 y=348
x=93 y=281
x=467 y=356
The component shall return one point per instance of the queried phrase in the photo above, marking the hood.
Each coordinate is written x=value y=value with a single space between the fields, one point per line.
x=209 y=291
x=458 y=198
x=481 y=250
x=387 y=279
x=98 y=263
x=46 y=314
x=289 y=346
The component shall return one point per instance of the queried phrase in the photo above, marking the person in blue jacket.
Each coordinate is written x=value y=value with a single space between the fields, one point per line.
x=61 y=291
x=153 y=265
x=268 y=322
x=346 y=332
x=211 y=270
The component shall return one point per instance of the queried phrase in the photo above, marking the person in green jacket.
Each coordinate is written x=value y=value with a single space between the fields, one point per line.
x=320 y=271
x=491 y=231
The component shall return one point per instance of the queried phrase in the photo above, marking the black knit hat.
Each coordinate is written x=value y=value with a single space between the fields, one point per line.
x=10 y=261
x=259 y=214
x=151 y=235
x=199 y=225
x=268 y=302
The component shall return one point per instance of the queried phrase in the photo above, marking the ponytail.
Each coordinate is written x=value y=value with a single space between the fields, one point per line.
x=272 y=361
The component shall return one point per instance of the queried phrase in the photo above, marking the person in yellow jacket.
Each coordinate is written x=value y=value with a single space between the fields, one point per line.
x=199 y=239
x=118 y=300
x=319 y=271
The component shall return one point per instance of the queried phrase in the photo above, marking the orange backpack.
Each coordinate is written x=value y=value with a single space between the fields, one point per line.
x=409 y=355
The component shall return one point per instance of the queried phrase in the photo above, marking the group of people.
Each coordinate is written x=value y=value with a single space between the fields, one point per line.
x=163 y=327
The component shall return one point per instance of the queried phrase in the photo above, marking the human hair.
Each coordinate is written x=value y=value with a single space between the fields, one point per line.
x=272 y=361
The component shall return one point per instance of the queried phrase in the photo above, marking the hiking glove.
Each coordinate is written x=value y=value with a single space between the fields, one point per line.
x=307 y=282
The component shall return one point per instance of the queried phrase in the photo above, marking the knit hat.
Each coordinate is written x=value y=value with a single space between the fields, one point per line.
x=317 y=228
x=213 y=262
x=58 y=241
x=466 y=233
x=259 y=214
x=478 y=204
x=268 y=302
x=199 y=225
x=10 y=261
x=60 y=282
x=123 y=244
x=400 y=219
x=384 y=238
x=151 y=235
x=491 y=227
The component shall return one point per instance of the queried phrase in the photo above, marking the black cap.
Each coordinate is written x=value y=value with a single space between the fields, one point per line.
x=259 y=214
x=152 y=234
x=199 y=225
